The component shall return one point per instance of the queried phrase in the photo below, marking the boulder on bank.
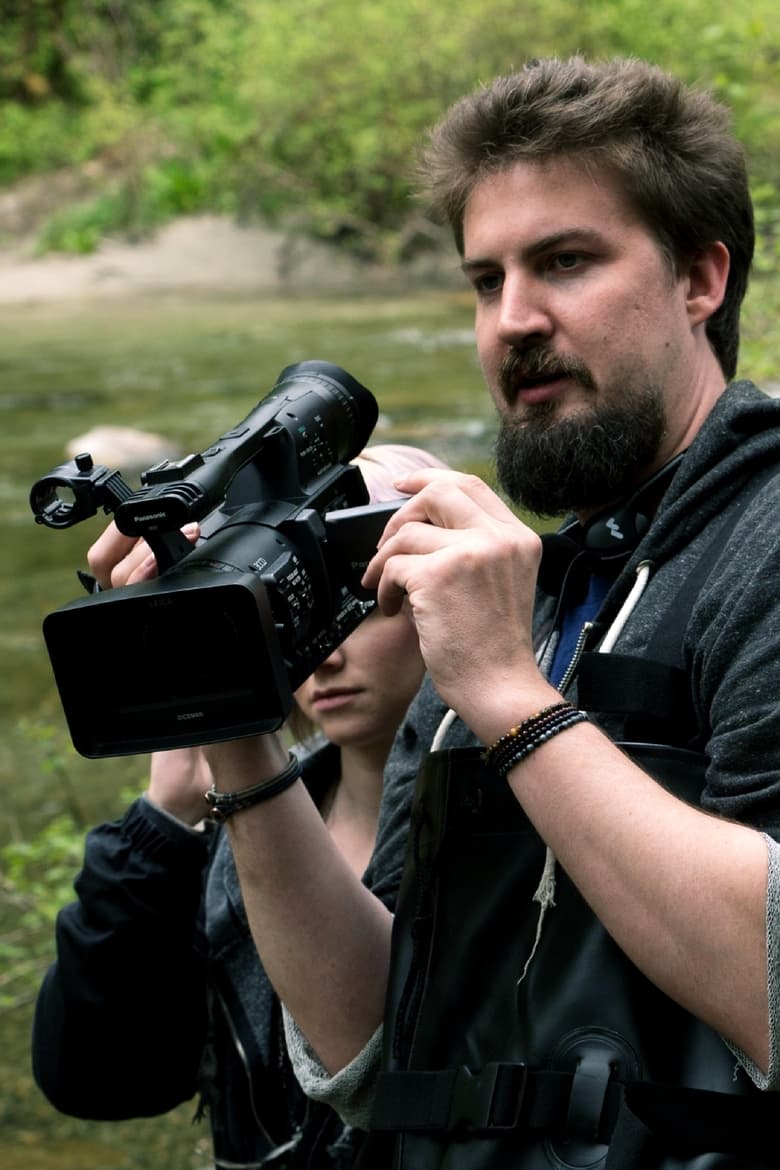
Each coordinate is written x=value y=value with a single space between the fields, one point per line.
x=123 y=448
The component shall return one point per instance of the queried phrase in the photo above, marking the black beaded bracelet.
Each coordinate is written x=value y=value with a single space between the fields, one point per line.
x=223 y=804
x=520 y=741
x=528 y=726
x=531 y=735
x=521 y=731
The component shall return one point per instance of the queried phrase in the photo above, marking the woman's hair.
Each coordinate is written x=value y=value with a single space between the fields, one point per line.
x=671 y=148
x=379 y=465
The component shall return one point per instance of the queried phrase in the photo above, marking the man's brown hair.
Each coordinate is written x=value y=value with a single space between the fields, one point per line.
x=671 y=147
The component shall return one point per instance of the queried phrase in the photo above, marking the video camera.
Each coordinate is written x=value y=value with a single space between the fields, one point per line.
x=213 y=648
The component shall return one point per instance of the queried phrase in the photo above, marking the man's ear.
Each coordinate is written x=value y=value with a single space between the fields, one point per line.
x=707 y=275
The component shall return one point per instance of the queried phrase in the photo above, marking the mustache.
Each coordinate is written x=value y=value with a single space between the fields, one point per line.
x=521 y=367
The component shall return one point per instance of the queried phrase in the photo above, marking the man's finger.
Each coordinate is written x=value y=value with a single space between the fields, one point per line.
x=448 y=499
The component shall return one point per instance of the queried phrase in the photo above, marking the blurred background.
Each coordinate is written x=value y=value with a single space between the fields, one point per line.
x=194 y=194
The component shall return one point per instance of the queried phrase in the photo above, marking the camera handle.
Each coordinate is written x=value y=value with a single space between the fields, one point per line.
x=168 y=547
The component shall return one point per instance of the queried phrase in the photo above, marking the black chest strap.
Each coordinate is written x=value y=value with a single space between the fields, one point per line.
x=503 y=1097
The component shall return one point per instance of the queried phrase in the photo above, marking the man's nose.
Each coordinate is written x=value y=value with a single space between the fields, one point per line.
x=523 y=313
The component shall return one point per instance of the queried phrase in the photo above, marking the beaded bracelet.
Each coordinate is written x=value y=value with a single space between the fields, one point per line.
x=223 y=804
x=520 y=741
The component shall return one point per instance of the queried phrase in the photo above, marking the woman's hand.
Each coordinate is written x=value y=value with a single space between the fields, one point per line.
x=178 y=783
x=115 y=559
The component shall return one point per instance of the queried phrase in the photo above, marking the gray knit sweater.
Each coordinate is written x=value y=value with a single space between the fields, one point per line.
x=732 y=653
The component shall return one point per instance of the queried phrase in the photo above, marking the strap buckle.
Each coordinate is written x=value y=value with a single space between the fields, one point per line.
x=491 y=1099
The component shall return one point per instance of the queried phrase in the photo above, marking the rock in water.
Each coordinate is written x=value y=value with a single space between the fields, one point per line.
x=123 y=448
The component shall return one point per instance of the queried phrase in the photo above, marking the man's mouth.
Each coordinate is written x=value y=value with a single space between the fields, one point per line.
x=531 y=381
x=531 y=389
x=538 y=376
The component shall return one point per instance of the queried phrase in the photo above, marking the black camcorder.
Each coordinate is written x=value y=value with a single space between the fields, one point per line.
x=213 y=648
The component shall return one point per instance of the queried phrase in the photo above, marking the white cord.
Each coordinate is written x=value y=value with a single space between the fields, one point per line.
x=442 y=729
x=627 y=608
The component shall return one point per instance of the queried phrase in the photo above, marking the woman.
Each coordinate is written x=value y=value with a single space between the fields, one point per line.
x=157 y=992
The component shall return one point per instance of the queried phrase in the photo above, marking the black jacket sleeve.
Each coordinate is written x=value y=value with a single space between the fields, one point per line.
x=121 y=1016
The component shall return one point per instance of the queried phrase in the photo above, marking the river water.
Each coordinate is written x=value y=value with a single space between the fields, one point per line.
x=186 y=368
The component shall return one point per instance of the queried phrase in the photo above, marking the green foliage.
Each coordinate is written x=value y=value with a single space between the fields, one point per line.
x=36 y=874
x=32 y=141
x=314 y=108
x=36 y=880
x=80 y=227
x=132 y=207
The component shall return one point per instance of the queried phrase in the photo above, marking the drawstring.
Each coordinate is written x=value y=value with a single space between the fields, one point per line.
x=627 y=608
x=545 y=891
x=446 y=723
x=545 y=896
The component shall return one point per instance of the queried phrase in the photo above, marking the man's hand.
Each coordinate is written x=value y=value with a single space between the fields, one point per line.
x=466 y=568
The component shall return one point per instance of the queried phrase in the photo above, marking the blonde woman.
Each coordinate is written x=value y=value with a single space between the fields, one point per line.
x=157 y=993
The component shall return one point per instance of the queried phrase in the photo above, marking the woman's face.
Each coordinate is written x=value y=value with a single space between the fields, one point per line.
x=360 y=693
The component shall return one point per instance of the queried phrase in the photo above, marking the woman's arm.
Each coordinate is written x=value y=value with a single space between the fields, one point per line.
x=120 y=1019
x=323 y=937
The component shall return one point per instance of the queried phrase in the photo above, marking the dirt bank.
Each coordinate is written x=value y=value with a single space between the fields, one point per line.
x=209 y=253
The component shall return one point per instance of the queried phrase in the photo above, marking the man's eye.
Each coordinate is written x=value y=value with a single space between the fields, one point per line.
x=565 y=261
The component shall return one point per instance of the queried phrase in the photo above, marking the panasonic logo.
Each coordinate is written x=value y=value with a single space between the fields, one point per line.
x=151 y=516
x=190 y=715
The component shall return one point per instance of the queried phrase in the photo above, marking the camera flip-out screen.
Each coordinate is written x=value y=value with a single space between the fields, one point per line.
x=167 y=669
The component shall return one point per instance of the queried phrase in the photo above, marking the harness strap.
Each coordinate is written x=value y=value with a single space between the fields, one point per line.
x=511 y=1096
x=625 y=684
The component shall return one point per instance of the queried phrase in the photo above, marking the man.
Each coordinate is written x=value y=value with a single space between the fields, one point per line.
x=604 y=221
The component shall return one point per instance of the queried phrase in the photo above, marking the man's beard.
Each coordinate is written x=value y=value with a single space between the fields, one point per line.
x=581 y=463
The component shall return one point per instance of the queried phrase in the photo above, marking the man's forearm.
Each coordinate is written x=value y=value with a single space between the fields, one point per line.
x=682 y=892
